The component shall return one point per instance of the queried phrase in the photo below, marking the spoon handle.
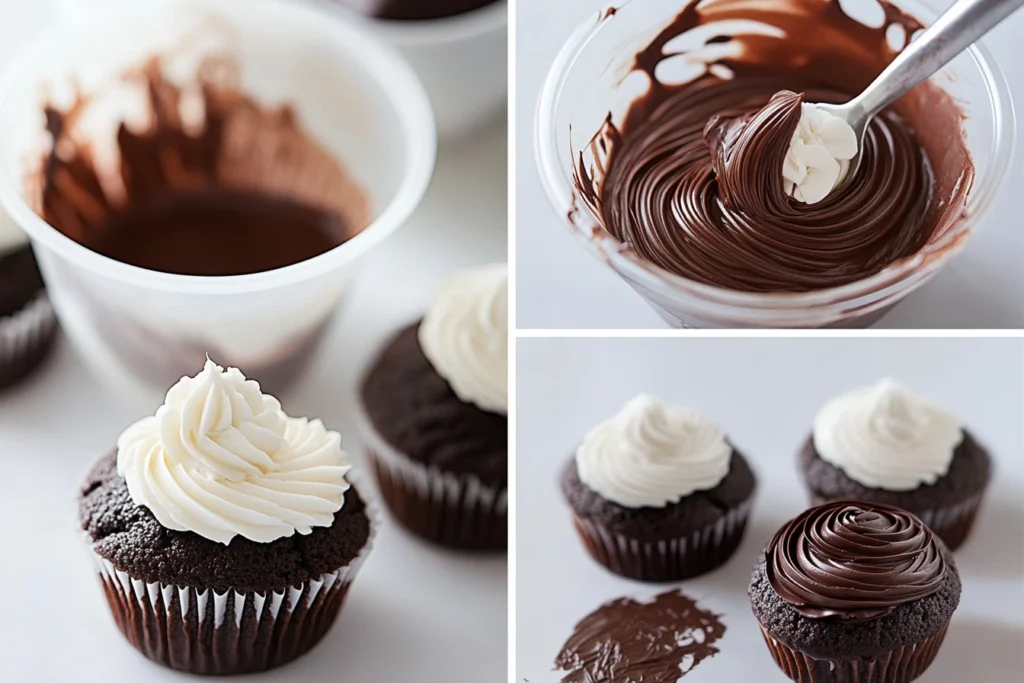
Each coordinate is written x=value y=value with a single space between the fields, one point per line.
x=956 y=30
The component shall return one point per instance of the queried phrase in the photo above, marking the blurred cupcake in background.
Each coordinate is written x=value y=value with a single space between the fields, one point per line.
x=885 y=444
x=226 y=534
x=436 y=423
x=658 y=493
x=458 y=48
x=27 y=323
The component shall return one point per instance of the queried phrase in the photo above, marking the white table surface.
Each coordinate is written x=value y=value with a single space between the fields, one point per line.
x=414 y=612
x=764 y=393
x=562 y=286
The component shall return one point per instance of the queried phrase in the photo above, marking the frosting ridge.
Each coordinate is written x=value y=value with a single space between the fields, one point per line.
x=221 y=459
x=853 y=561
x=652 y=454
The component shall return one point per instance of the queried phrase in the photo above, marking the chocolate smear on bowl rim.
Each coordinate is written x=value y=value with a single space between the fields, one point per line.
x=628 y=641
x=243 y=189
x=659 y=180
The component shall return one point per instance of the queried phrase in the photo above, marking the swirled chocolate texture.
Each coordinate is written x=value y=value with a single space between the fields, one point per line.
x=853 y=561
x=626 y=641
x=691 y=177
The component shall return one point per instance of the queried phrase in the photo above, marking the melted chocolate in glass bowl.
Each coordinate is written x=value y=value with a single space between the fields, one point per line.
x=678 y=184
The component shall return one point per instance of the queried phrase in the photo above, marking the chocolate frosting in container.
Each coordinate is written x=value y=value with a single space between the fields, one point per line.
x=853 y=561
x=691 y=178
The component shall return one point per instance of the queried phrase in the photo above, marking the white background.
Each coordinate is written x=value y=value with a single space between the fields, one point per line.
x=764 y=393
x=415 y=613
x=562 y=286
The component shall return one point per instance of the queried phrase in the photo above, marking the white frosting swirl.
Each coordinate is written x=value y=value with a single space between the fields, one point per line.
x=652 y=454
x=886 y=437
x=11 y=236
x=221 y=459
x=819 y=155
x=464 y=335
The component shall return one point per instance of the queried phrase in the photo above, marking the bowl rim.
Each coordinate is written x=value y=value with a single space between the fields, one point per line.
x=397 y=82
x=863 y=295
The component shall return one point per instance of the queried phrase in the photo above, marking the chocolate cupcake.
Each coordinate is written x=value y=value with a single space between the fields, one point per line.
x=853 y=592
x=436 y=424
x=884 y=444
x=224 y=532
x=27 y=323
x=657 y=493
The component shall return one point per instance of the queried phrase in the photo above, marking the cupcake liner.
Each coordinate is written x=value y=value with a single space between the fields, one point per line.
x=669 y=559
x=25 y=339
x=454 y=510
x=896 y=666
x=210 y=633
x=951 y=523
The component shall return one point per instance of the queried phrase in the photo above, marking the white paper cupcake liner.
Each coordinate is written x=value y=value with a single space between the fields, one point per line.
x=454 y=510
x=25 y=338
x=211 y=633
x=667 y=559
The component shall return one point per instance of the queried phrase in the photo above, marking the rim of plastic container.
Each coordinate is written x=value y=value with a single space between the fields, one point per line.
x=390 y=72
x=863 y=296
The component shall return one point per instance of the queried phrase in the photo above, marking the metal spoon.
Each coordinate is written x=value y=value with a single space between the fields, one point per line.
x=956 y=30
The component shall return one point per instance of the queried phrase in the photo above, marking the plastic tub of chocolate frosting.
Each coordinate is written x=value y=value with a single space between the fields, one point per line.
x=203 y=177
x=624 y=158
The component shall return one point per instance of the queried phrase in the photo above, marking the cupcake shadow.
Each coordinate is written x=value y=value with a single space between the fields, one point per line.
x=995 y=548
x=975 y=649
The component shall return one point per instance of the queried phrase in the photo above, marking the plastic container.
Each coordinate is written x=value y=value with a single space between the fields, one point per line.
x=462 y=61
x=141 y=330
x=586 y=83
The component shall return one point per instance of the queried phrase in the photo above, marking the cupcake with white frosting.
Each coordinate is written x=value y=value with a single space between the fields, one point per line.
x=225 y=533
x=885 y=444
x=658 y=493
x=436 y=415
x=27 y=323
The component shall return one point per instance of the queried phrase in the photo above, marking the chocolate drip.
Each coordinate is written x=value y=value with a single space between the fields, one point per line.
x=853 y=561
x=692 y=178
x=625 y=641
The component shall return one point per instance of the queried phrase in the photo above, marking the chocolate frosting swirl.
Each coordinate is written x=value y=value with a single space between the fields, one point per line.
x=853 y=561
x=691 y=178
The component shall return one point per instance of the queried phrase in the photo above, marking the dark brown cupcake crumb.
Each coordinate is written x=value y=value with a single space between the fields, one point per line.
x=133 y=540
x=693 y=513
x=905 y=625
x=416 y=412
x=968 y=474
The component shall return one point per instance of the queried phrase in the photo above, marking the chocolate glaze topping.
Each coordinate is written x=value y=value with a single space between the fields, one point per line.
x=853 y=561
x=692 y=177
x=625 y=641
x=243 y=189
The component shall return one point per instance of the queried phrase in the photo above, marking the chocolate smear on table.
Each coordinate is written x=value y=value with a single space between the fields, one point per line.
x=239 y=189
x=676 y=184
x=626 y=641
